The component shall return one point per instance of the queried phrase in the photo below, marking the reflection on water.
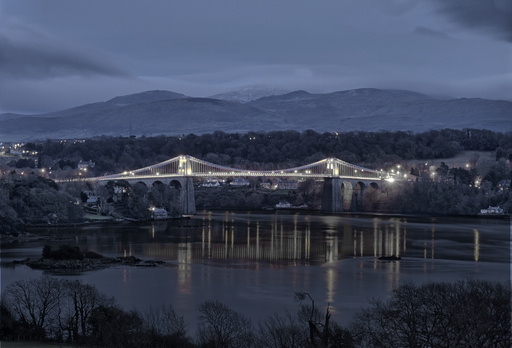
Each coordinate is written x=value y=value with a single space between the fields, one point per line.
x=255 y=261
x=477 y=243
x=303 y=239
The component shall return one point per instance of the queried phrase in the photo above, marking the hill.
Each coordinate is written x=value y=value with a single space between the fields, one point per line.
x=163 y=112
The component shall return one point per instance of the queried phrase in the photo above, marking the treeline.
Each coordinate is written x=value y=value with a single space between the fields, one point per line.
x=471 y=313
x=271 y=150
x=440 y=190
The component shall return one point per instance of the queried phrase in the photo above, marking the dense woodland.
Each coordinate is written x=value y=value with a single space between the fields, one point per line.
x=460 y=314
x=35 y=198
x=272 y=150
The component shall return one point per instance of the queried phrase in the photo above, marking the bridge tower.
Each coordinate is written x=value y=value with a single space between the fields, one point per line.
x=332 y=200
x=187 y=199
x=342 y=192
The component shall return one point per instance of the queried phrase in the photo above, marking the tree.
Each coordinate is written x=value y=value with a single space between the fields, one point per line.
x=113 y=327
x=220 y=326
x=164 y=322
x=9 y=325
x=461 y=314
x=81 y=300
x=279 y=331
x=36 y=303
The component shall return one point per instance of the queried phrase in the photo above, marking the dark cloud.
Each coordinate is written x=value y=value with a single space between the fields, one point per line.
x=491 y=16
x=429 y=32
x=27 y=54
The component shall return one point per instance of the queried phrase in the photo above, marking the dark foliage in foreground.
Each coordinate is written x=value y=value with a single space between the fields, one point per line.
x=460 y=314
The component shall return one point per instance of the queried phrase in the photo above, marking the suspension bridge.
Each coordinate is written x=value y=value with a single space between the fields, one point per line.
x=343 y=181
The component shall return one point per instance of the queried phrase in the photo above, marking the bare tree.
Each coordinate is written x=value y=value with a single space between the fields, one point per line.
x=282 y=331
x=36 y=304
x=220 y=326
x=164 y=321
x=77 y=306
x=461 y=314
x=324 y=333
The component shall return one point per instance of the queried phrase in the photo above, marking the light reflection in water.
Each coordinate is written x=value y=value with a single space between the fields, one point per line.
x=476 y=237
x=433 y=241
x=330 y=281
x=184 y=269
x=376 y=234
x=293 y=239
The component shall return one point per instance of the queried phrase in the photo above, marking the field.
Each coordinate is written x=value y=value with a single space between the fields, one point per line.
x=460 y=160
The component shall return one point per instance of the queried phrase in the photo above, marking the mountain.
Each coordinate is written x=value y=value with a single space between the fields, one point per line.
x=10 y=116
x=372 y=109
x=163 y=112
x=145 y=97
x=247 y=94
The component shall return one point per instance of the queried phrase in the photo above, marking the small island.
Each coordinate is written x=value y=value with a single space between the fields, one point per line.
x=71 y=258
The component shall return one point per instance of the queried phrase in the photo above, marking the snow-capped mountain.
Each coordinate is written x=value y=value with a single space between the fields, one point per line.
x=247 y=94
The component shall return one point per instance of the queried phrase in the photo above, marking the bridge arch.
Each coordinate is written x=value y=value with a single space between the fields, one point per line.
x=358 y=198
x=140 y=188
x=175 y=184
x=155 y=183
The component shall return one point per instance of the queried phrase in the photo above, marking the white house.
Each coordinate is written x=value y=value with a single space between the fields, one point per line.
x=492 y=211
x=240 y=182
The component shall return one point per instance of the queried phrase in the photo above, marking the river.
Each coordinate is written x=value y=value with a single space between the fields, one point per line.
x=254 y=262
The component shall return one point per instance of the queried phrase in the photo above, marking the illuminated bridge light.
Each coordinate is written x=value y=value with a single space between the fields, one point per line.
x=187 y=165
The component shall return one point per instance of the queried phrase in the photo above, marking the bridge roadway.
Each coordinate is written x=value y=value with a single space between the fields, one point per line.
x=343 y=189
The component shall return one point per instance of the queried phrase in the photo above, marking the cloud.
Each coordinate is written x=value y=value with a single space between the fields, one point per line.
x=40 y=71
x=493 y=17
x=29 y=53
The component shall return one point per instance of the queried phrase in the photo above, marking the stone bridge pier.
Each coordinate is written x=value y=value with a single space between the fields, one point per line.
x=345 y=194
x=185 y=185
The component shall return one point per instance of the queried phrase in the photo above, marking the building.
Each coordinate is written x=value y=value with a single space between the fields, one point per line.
x=492 y=211
x=504 y=185
x=159 y=213
x=283 y=184
x=211 y=182
x=240 y=182
x=85 y=165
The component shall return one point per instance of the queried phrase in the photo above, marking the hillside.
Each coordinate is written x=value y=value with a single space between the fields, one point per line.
x=163 y=112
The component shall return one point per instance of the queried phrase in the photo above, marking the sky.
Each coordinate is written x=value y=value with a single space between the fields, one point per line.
x=56 y=54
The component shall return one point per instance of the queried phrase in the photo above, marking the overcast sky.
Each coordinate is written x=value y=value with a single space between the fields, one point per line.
x=56 y=54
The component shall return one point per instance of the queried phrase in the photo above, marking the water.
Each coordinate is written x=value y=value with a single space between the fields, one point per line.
x=254 y=262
